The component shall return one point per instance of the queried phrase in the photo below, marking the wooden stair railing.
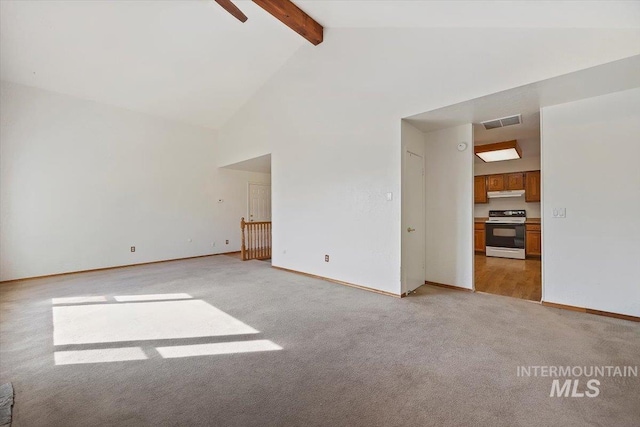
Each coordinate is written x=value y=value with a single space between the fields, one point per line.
x=256 y=239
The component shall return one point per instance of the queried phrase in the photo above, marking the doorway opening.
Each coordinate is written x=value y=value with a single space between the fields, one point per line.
x=507 y=209
x=482 y=218
x=436 y=227
x=254 y=219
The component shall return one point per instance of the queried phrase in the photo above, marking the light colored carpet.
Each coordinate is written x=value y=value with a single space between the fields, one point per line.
x=349 y=357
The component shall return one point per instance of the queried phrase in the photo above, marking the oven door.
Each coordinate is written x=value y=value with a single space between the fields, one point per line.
x=505 y=235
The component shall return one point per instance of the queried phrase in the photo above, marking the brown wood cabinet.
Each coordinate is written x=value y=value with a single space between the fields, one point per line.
x=480 y=189
x=479 y=237
x=532 y=186
x=514 y=181
x=495 y=182
x=506 y=181
x=533 y=240
x=527 y=181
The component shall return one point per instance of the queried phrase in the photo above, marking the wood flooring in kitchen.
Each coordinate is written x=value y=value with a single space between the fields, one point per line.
x=509 y=277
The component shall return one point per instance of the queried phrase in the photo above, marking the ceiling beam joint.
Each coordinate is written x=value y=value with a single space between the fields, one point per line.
x=295 y=18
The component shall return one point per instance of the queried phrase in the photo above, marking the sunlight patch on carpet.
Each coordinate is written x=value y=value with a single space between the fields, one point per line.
x=77 y=300
x=152 y=297
x=105 y=323
x=217 y=348
x=104 y=355
x=135 y=321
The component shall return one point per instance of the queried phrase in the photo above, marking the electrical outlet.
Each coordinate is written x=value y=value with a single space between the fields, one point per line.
x=226 y=242
x=133 y=248
x=559 y=212
x=326 y=258
x=213 y=244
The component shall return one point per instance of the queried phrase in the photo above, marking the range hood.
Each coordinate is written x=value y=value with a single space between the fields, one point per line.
x=503 y=194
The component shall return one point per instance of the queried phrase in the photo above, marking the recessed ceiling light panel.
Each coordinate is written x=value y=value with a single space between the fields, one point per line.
x=499 y=151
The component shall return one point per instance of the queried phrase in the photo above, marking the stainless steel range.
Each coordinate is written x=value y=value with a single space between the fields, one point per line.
x=505 y=234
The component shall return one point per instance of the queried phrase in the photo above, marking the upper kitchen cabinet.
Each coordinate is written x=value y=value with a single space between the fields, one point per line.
x=480 y=189
x=532 y=186
x=495 y=182
x=507 y=181
x=514 y=181
x=527 y=181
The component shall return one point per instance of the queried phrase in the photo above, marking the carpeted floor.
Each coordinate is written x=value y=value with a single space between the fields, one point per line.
x=348 y=358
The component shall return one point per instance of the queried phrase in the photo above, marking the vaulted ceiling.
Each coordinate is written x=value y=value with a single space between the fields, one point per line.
x=192 y=61
x=185 y=60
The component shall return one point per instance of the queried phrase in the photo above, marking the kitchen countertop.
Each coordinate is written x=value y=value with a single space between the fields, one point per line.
x=529 y=220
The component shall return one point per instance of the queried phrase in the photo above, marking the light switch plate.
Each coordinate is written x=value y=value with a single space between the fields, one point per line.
x=389 y=196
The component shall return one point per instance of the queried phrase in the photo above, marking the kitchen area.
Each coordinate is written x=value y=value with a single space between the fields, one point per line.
x=507 y=211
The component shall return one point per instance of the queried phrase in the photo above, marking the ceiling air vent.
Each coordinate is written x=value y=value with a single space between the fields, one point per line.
x=500 y=123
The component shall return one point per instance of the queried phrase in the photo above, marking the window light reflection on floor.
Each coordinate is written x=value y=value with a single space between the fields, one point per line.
x=158 y=320
x=217 y=348
x=77 y=300
x=152 y=297
x=91 y=320
x=98 y=356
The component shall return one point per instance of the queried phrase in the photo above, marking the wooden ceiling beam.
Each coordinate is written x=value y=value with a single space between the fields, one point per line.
x=295 y=18
x=232 y=9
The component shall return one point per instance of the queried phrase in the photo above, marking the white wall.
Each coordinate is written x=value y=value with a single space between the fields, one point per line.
x=328 y=197
x=449 y=206
x=331 y=119
x=81 y=182
x=524 y=164
x=590 y=160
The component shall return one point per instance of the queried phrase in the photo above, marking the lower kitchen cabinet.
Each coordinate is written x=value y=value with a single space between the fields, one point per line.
x=533 y=240
x=479 y=237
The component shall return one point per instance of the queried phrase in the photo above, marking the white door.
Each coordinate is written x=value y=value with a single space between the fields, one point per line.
x=259 y=202
x=413 y=232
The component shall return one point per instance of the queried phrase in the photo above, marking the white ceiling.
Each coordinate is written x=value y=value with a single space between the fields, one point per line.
x=260 y=164
x=473 y=13
x=527 y=100
x=527 y=134
x=528 y=129
x=193 y=62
